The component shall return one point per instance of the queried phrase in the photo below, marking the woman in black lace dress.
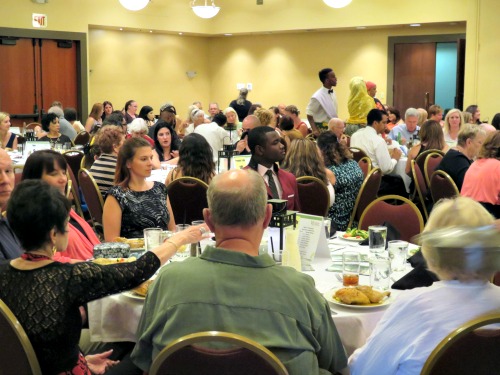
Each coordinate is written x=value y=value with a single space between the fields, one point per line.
x=134 y=204
x=45 y=295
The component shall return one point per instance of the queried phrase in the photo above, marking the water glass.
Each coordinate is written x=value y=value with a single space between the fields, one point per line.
x=196 y=247
x=182 y=250
x=380 y=273
x=277 y=255
x=152 y=238
x=398 y=251
x=327 y=222
x=350 y=268
x=377 y=235
x=163 y=165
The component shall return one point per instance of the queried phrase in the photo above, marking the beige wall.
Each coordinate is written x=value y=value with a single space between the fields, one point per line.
x=281 y=66
x=163 y=60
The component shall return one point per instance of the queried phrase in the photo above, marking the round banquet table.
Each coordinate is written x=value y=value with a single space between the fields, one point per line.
x=115 y=318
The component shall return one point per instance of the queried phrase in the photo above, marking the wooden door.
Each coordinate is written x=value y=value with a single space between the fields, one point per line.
x=19 y=77
x=58 y=67
x=414 y=75
x=36 y=72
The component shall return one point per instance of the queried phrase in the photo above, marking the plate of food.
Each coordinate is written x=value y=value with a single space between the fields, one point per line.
x=139 y=292
x=358 y=297
x=355 y=235
x=108 y=261
x=136 y=244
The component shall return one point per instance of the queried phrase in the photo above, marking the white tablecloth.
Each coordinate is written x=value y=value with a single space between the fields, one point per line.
x=399 y=170
x=115 y=318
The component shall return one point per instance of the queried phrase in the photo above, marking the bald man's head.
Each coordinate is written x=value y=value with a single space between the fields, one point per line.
x=237 y=198
x=336 y=126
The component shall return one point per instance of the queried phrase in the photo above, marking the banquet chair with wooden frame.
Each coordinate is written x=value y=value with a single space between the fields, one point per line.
x=470 y=349
x=188 y=198
x=75 y=192
x=314 y=197
x=496 y=279
x=405 y=217
x=442 y=186
x=240 y=355
x=67 y=193
x=357 y=153
x=74 y=159
x=17 y=178
x=365 y=163
x=430 y=164
x=32 y=126
x=82 y=138
x=348 y=140
x=17 y=355
x=93 y=198
x=367 y=194
x=420 y=187
x=420 y=160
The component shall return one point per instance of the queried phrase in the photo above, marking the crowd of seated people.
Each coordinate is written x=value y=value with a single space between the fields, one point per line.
x=131 y=145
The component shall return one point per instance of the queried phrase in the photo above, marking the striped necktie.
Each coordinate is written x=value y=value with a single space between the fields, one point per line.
x=272 y=184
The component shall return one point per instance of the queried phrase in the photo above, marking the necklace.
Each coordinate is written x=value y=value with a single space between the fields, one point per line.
x=35 y=257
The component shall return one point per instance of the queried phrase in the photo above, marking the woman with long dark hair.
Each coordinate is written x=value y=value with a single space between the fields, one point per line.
x=195 y=160
x=107 y=109
x=348 y=177
x=134 y=203
x=166 y=144
x=147 y=114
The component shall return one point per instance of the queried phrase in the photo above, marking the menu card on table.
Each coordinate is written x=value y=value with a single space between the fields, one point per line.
x=311 y=239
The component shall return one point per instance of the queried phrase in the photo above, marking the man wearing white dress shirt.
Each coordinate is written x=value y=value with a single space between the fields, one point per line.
x=214 y=133
x=323 y=104
x=369 y=140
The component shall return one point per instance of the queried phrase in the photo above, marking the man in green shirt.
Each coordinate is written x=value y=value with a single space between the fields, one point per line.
x=233 y=289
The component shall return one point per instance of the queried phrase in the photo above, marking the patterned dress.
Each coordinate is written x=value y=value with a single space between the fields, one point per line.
x=46 y=302
x=349 y=178
x=142 y=209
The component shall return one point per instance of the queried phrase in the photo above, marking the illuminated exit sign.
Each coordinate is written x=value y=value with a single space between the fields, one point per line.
x=39 y=20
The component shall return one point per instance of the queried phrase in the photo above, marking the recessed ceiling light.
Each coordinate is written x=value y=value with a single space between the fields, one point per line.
x=228 y=34
x=180 y=33
x=121 y=28
x=150 y=31
x=414 y=25
x=361 y=27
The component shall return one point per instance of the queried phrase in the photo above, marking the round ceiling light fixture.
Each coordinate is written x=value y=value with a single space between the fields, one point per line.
x=134 y=4
x=205 y=11
x=337 y=3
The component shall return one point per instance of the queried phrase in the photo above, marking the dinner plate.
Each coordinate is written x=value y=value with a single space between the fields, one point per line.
x=329 y=297
x=353 y=239
x=132 y=295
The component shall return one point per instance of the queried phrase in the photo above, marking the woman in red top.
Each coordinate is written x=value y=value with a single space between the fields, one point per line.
x=51 y=167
